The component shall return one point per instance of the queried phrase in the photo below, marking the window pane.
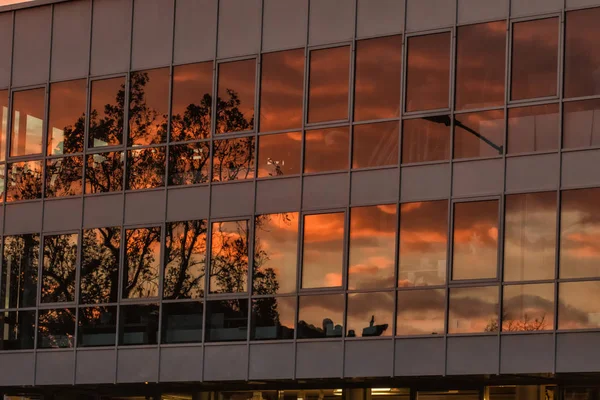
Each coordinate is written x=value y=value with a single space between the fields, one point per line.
x=20 y=271
x=101 y=253
x=184 y=260
x=326 y=149
x=142 y=260
x=475 y=240
x=581 y=125
x=328 y=84
x=233 y=159
x=579 y=305
x=534 y=128
x=528 y=308
x=66 y=117
x=473 y=310
x=423 y=243
x=275 y=253
x=56 y=329
x=370 y=314
x=321 y=316
x=375 y=145
x=273 y=318
x=107 y=112
x=378 y=75
x=104 y=172
x=58 y=272
x=235 y=102
x=64 y=176
x=148 y=106
x=182 y=322
x=279 y=154
x=229 y=257
x=480 y=65
x=146 y=168
x=529 y=236
x=227 y=320
x=428 y=72
x=421 y=312
x=535 y=59
x=323 y=250
x=189 y=163
x=139 y=324
x=372 y=247
x=192 y=101
x=97 y=327
x=17 y=330
x=27 y=122
x=582 y=59
x=479 y=134
x=24 y=181
x=3 y=123
x=426 y=139
x=282 y=88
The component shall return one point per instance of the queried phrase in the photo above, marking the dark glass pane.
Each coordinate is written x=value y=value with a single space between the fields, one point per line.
x=97 y=327
x=428 y=72
x=279 y=154
x=535 y=59
x=273 y=318
x=3 y=123
x=375 y=145
x=372 y=247
x=475 y=240
x=27 y=122
x=480 y=65
x=282 y=88
x=235 y=101
x=529 y=236
x=148 y=106
x=275 y=253
x=58 y=271
x=323 y=250
x=370 y=314
x=421 y=312
x=233 y=159
x=64 y=176
x=142 y=260
x=581 y=124
x=328 y=84
x=56 y=328
x=535 y=128
x=184 y=260
x=473 y=310
x=182 y=322
x=146 y=168
x=20 y=271
x=66 y=117
x=321 y=316
x=326 y=149
x=426 y=139
x=104 y=172
x=229 y=257
x=479 y=134
x=189 y=163
x=24 y=181
x=17 y=330
x=107 y=110
x=101 y=253
x=528 y=308
x=579 y=305
x=582 y=59
x=192 y=101
x=227 y=320
x=139 y=324
x=378 y=75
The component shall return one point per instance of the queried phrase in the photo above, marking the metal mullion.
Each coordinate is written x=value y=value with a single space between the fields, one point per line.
x=280 y=131
x=478 y=110
x=580 y=98
x=469 y=159
x=374 y=121
x=313 y=126
x=191 y=141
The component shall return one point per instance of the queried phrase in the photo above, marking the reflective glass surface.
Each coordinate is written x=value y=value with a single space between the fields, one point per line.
x=579 y=305
x=28 y=108
x=426 y=139
x=582 y=58
x=139 y=324
x=24 y=181
x=97 y=327
x=421 y=312
x=528 y=307
x=58 y=270
x=148 y=106
x=328 y=86
x=534 y=128
x=227 y=320
x=375 y=145
x=370 y=314
x=479 y=134
x=142 y=260
x=56 y=328
x=104 y=172
x=234 y=159
x=182 y=322
x=581 y=124
x=66 y=117
x=3 y=123
x=146 y=168
x=229 y=257
x=326 y=149
x=189 y=163
x=64 y=176
x=321 y=316
x=17 y=330
x=101 y=253
x=323 y=250
x=273 y=318
x=473 y=310
x=20 y=271
x=107 y=112
x=279 y=154
x=235 y=101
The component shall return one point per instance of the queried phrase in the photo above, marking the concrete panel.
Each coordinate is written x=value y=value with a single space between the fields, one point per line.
x=419 y=356
x=195 y=31
x=17 y=369
x=369 y=358
x=6 y=37
x=578 y=352
x=111 y=36
x=581 y=3
x=46 y=371
x=472 y=355
x=232 y=199
x=23 y=218
x=71 y=40
x=102 y=211
x=325 y=191
x=272 y=361
x=538 y=172
x=137 y=365
x=285 y=23
x=226 y=362
x=470 y=11
x=425 y=182
x=580 y=168
x=278 y=195
x=526 y=354
x=152 y=41
x=331 y=21
x=181 y=364
x=145 y=207
x=319 y=360
x=530 y=7
x=31 y=60
x=376 y=186
x=96 y=366
x=188 y=203
x=239 y=27
x=378 y=18
x=480 y=177
x=63 y=214
x=429 y=14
